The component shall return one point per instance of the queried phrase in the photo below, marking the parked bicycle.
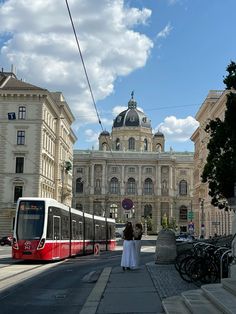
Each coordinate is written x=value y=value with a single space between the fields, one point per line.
x=204 y=263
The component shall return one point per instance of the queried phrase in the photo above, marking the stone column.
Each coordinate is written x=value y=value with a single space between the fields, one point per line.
x=139 y=180
x=122 y=183
x=92 y=180
x=158 y=180
x=104 y=180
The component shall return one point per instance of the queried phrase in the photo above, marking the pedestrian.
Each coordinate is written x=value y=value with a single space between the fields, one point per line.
x=128 y=255
x=138 y=232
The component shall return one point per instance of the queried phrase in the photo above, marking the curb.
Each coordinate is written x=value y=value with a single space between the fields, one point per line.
x=92 y=302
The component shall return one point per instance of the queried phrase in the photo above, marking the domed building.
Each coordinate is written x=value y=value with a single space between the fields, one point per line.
x=132 y=131
x=132 y=167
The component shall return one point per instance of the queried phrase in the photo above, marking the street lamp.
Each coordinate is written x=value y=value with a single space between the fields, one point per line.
x=202 y=218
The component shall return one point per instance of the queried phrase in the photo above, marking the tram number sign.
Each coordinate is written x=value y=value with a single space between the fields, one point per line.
x=96 y=249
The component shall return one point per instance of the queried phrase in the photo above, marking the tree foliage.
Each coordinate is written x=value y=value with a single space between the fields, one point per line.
x=230 y=79
x=220 y=168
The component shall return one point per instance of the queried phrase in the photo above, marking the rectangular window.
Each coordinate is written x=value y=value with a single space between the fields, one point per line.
x=131 y=169
x=114 y=169
x=20 y=137
x=148 y=170
x=19 y=164
x=79 y=170
x=18 y=192
x=22 y=113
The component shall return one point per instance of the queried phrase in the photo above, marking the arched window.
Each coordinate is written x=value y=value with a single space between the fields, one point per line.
x=158 y=148
x=79 y=186
x=148 y=211
x=131 y=186
x=183 y=211
x=117 y=144
x=131 y=143
x=145 y=144
x=148 y=186
x=104 y=146
x=183 y=187
x=114 y=186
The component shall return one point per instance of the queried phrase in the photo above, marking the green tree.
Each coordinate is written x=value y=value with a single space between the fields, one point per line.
x=230 y=79
x=220 y=168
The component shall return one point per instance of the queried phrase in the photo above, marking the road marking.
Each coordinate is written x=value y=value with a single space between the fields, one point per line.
x=92 y=302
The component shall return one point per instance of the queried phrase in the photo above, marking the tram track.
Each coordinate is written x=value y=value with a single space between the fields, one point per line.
x=17 y=273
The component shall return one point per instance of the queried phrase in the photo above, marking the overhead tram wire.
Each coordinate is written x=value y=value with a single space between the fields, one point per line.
x=86 y=74
x=84 y=67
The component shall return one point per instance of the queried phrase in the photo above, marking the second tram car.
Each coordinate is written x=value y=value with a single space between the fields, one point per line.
x=48 y=230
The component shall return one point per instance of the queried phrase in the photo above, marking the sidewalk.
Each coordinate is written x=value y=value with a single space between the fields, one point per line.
x=138 y=291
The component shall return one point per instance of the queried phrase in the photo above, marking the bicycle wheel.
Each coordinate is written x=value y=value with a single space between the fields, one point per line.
x=184 y=268
x=180 y=257
x=204 y=271
x=211 y=272
x=196 y=271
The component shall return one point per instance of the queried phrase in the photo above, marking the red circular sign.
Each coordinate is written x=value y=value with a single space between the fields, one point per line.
x=127 y=204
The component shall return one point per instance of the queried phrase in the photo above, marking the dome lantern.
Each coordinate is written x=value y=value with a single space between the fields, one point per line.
x=132 y=104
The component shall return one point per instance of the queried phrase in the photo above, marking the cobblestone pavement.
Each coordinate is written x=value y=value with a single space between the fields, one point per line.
x=167 y=280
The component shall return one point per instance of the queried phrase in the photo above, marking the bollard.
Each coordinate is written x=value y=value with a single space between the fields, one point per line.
x=165 y=247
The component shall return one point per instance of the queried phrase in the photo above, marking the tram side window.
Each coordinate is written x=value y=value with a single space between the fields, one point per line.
x=80 y=230
x=103 y=232
x=88 y=229
x=74 y=229
x=65 y=226
x=50 y=226
x=97 y=232
x=111 y=231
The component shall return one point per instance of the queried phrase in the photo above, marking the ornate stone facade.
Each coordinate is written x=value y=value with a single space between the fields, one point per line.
x=209 y=219
x=131 y=163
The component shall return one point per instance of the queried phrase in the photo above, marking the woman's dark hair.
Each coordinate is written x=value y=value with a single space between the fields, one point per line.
x=128 y=231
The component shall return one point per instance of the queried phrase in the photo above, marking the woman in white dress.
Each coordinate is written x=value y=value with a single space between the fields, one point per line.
x=138 y=232
x=128 y=260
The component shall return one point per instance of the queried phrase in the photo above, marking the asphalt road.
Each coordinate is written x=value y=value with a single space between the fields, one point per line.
x=59 y=287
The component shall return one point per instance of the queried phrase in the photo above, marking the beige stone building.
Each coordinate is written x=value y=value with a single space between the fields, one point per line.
x=36 y=143
x=131 y=164
x=209 y=219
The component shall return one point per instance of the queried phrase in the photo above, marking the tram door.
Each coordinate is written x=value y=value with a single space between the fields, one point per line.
x=56 y=236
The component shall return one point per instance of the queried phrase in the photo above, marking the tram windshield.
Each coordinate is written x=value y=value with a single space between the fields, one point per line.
x=30 y=220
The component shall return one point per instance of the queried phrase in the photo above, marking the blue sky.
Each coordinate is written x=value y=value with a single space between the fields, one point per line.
x=170 y=52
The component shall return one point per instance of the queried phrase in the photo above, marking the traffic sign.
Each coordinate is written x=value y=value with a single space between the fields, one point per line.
x=190 y=215
x=191 y=226
x=127 y=204
x=96 y=249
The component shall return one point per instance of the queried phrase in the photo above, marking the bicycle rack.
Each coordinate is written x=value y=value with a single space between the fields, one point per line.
x=221 y=262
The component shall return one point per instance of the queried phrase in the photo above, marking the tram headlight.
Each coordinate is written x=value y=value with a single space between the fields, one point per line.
x=41 y=244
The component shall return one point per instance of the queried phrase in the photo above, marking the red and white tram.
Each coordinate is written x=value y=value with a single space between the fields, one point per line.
x=48 y=230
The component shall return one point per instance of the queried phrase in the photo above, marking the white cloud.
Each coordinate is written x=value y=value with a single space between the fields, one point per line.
x=179 y=130
x=118 y=109
x=165 y=31
x=40 y=43
x=91 y=136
